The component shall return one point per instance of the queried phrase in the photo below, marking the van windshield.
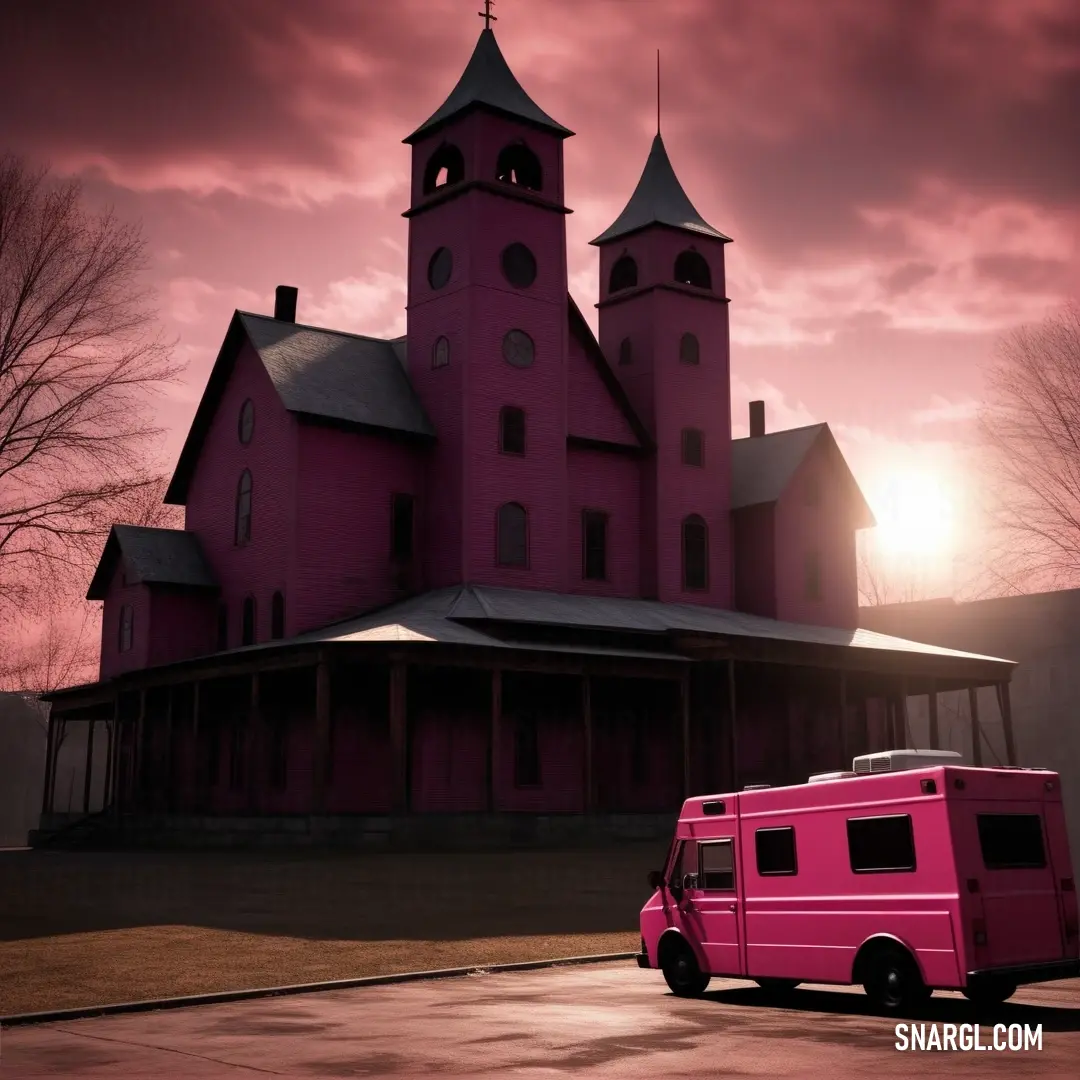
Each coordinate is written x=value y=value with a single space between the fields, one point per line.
x=1011 y=841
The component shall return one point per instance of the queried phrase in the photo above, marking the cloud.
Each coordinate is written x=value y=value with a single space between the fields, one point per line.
x=941 y=411
x=372 y=305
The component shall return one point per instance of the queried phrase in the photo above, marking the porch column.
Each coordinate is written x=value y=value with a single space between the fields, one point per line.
x=138 y=757
x=167 y=754
x=197 y=754
x=976 y=729
x=902 y=716
x=50 y=742
x=399 y=737
x=587 y=722
x=684 y=718
x=115 y=757
x=320 y=759
x=493 y=737
x=844 y=746
x=253 y=750
x=733 y=734
x=1005 y=705
x=89 y=766
x=932 y=704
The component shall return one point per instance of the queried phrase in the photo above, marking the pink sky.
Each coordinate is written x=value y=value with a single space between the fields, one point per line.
x=901 y=178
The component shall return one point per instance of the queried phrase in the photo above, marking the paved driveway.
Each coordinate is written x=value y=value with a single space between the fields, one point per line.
x=610 y=1020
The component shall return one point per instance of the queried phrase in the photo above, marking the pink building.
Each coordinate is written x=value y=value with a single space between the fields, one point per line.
x=500 y=567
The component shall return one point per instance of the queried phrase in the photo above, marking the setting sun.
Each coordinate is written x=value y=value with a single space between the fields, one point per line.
x=914 y=515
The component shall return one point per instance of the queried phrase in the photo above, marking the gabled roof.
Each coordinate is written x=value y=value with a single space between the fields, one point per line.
x=762 y=467
x=580 y=329
x=658 y=199
x=152 y=557
x=334 y=376
x=488 y=82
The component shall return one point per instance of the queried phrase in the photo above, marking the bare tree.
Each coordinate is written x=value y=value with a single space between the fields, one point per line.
x=61 y=650
x=1030 y=428
x=876 y=585
x=79 y=361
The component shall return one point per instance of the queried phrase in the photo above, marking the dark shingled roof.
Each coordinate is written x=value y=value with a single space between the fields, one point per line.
x=152 y=557
x=360 y=380
x=488 y=81
x=762 y=467
x=326 y=374
x=658 y=199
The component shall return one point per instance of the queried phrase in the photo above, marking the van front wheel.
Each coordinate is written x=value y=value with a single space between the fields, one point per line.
x=681 y=972
x=893 y=981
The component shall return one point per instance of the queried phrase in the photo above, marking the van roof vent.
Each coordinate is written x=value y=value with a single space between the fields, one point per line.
x=900 y=760
x=817 y=778
x=757 y=787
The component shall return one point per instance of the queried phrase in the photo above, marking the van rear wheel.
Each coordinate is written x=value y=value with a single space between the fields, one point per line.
x=682 y=973
x=777 y=986
x=989 y=991
x=893 y=981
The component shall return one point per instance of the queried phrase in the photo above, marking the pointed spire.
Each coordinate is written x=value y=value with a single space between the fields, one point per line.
x=658 y=199
x=488 y=81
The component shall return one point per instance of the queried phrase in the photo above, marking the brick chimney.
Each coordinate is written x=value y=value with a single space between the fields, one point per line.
x=757 y=419
x=285 y=303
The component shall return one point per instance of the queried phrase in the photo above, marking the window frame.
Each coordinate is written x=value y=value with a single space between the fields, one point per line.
x=517 y=412
x=694 y=521
x=790 y=829
x=594 y=517
x=247 y=411
x=242 y=537
x=249 y=626
x=398 y=551
x=689 y=435
x=702 y=880
x=623 y=274
x=436 y=363
x=997 y=865
x=882 y=869
x=499 y=560
x=277 y=615
x=626 y=353
x=687 y=337
x=125 y=635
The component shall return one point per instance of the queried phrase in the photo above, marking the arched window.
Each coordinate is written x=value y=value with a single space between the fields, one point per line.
x=692 y=269
x=247 y=622
x=512 y=430
x=512 y=525
x=626 y=353
x=445 y=167
x=126 y=635
x=246 y=421
x=623 y=274
x=689 y=349
x=222 y=627
x=277 y=616
x=440 y=353
x=517 y=164
x=695 y=553
x=243 y=509
x=693 y=447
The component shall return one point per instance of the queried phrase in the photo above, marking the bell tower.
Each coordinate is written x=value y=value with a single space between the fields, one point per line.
x=663 y=320
x=488 y=329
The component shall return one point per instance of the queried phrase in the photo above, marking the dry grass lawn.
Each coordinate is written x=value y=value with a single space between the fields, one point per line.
x=82 y=928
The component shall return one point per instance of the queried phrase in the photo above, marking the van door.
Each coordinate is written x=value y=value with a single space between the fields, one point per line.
x=1017 y=884
x=714 y=906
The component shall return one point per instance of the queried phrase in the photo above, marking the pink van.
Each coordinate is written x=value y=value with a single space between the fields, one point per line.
x=906 y=876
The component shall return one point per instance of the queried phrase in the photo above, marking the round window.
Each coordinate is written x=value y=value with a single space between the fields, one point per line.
x=440 y=355
x=440 y=268
x=518 y=349
x=519 y=266
x=246 y=426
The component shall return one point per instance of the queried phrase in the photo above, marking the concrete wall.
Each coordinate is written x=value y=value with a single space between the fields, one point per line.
x=22 y=767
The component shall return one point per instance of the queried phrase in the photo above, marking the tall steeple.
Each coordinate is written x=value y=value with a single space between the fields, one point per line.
x=658 y=199
x=488 y=82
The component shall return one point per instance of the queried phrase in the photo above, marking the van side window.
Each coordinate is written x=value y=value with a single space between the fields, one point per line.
x=1011 y=841
x=881 y=845
x=718 y=866
x=775 y=851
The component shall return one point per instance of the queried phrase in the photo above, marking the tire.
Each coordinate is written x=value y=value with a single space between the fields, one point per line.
x=893 y=982
x=989 y=992
x=779 y=987
x=682 y=973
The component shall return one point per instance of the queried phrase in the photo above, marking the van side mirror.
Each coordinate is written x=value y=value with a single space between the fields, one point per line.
x=656 y=879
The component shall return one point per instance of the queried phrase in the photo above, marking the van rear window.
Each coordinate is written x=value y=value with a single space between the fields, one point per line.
x=881 y=845
x=1011 y=841
x=775 y=851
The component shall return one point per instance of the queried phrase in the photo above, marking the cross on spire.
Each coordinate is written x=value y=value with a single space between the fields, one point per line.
x=486 y=14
